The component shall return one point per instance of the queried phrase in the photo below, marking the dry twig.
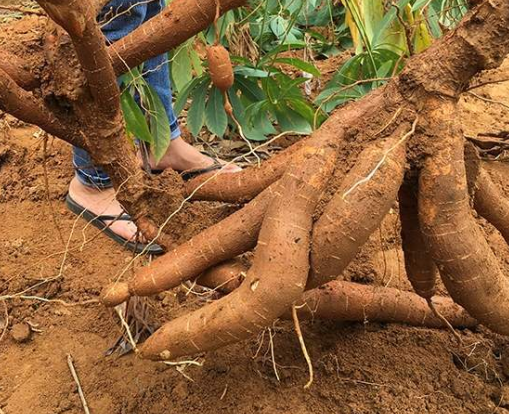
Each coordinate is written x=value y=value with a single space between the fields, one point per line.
x=74 y=374
x=6 y=310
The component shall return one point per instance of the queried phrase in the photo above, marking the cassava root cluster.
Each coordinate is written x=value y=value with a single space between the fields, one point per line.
x=306 y=212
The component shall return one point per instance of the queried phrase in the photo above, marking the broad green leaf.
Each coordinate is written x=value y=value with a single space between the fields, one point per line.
x=181 y=68
x=196 y=112
x=372 y=13
x=433 y=20
x=215 y=116
x=250 y=72
x=422 y=38
x=183 y=95
x=386 y=22
x=290 y=120
x=196 y=61
x=249 y=88
x=136 y=124
x=300 y=64
x=158 y=121
x=278 y=26
x=303 y=108
x=418 y=4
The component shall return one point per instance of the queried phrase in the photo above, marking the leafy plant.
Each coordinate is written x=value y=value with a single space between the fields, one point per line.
x=144 y=113
x=261 y=95
x=383 y=39
x=265 y=99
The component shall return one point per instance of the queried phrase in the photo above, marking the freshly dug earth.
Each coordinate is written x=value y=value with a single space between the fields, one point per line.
x=359 y=368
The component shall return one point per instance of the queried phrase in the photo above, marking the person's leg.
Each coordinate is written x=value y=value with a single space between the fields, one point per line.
x=180 y=156
x=91 y=187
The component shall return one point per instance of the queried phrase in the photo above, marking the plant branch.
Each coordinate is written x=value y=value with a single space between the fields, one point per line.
x=28 y=108
x=78 y=19
x=179 y=21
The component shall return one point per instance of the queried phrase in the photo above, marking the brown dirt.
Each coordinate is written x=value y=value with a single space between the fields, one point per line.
x=359 y=368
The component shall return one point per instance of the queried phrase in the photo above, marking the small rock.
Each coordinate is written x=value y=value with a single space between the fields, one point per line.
x=21 y=332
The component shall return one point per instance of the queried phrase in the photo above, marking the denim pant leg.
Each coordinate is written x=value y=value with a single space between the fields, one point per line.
x=131 y=15
x=157 y=74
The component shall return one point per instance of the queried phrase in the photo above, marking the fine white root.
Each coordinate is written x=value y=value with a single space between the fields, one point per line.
x=298 y=331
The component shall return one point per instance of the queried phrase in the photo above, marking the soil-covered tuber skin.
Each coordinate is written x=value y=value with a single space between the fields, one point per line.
x=220 y=67
x=427 y=90
x=277 y=277
x=420 y=268
x=225 y=277
x=243 y=185
x=352 y=302
x=234 y=235
x=467 y=265
x=357 y=209
x=491 y=204
x=346 y=301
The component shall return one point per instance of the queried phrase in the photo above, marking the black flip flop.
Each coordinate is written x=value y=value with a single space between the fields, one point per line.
x=99 y=221
x=190 y=174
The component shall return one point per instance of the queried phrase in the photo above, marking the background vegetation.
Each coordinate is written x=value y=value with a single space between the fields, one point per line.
x=277 y=47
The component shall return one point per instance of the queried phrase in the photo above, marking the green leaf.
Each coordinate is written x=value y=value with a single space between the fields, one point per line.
x=183 y=95
x=136 y=124
x=303 y=108
x=196 y=113
x=300 y=64
x=249 y=89
x=215 y=116
x=158 y=121
x=196 y=61
x=278 y=25
x=386 y=22
x=181 y=68
x=251 y=72
x=418 y=4
x=373 y=13
x=290 y=120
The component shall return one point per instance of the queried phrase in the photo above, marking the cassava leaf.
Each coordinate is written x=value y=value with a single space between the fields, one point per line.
x=215 y=116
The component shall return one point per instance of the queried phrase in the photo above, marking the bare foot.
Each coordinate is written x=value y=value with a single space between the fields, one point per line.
x=102 y=202
x=182 y=156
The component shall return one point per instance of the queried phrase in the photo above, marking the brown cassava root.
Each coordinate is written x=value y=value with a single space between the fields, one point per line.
x=491 y=204
x=239 y=232
x=357 y=210
x=273 y=283
x=225 y=277
x=14 y=67
x=244 y=185
x=179 y=21
x=347 y=301
x=353 y=302
x=420 y=268
x=234 y=235
x=467 y=265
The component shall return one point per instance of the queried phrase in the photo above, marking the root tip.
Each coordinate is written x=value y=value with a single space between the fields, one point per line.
x=115 y=294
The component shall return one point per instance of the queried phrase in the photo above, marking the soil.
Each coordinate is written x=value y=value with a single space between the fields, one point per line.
x=54 y=265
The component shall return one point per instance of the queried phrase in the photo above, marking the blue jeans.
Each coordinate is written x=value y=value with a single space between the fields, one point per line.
x=122 y=17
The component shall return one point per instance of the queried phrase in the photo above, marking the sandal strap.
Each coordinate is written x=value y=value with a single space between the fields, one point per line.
x=188 y=175
x=106 y=217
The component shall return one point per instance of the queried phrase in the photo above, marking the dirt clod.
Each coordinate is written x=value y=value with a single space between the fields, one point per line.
x=181 y=391
x=21 y=332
